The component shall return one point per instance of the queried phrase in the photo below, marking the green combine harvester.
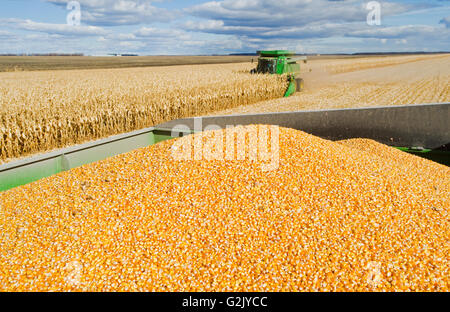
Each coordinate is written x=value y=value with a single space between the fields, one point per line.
x=281 y=62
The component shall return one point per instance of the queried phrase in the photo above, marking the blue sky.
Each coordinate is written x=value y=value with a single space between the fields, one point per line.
x=154 y=27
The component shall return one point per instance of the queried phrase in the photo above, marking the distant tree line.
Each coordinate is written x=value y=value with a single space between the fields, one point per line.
x=124 y=54
x=43 y=54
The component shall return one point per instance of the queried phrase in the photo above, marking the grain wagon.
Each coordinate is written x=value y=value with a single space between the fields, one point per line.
x=422 y=130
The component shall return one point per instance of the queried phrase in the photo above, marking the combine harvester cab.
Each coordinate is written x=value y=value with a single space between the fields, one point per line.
x=281 y=62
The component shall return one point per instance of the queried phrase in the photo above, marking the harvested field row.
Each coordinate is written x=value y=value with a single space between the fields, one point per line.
x=347 y=216
x=40 y=111
x=344 y=66
x=33 y=63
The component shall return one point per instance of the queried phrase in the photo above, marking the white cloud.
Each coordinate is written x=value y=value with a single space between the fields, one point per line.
x=148 y=40
x=5 y=34
x=153 y=32
x=61 y=29
x=261 y=23
x=219 y=27
x=445 y=21
x=227 y=26
x=318 y=30
x=119 y=12
x=269 y=13
x=395 y=32
x=132 y=45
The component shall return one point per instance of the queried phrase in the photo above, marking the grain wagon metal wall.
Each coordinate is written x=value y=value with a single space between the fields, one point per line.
x=407 y=126
x=426 y=125
x=31 y=169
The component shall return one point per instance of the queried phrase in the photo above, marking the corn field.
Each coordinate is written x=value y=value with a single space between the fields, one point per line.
x=40 y=111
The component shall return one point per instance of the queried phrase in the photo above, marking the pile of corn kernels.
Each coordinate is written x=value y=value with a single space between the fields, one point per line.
x=335 y=216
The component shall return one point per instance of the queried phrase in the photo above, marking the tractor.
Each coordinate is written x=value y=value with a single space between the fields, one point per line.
x=280 y=62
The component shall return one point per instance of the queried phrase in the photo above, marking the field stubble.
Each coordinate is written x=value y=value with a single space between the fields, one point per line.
x=344 y=66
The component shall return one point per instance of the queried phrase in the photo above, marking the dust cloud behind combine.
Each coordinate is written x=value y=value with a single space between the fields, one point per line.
x=365 y=82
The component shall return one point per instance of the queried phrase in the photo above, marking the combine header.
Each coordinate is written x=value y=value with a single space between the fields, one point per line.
x=281 y=62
